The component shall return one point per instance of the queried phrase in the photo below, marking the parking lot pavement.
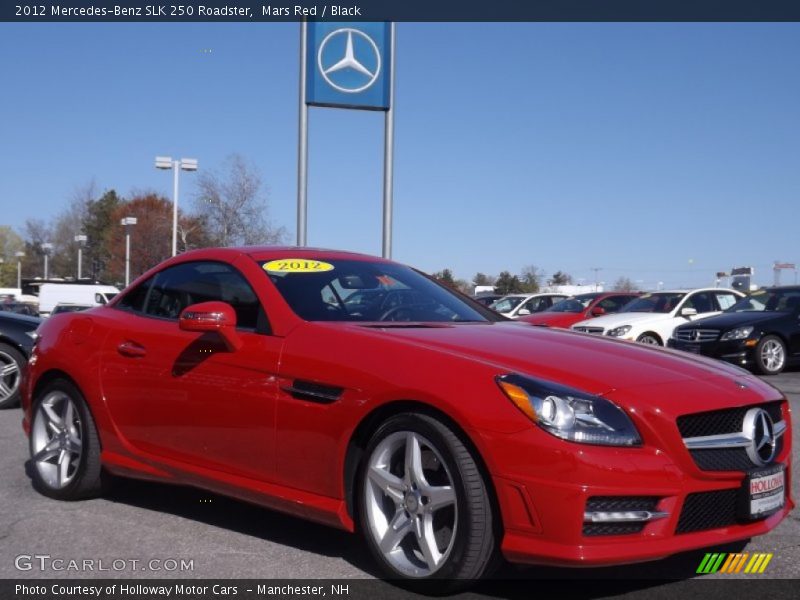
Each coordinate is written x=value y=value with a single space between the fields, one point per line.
x=226 y=538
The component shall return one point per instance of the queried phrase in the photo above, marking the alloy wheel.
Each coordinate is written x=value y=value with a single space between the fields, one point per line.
x=772 y=355
x=57 y=440
x=9 y=376
x=411 y=504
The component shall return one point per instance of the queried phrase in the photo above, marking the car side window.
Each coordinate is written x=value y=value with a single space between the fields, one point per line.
x=133 y=301
x=533 y=305
x=725 y=300
x=701 y=302
x=611 y=304
x=178 y=287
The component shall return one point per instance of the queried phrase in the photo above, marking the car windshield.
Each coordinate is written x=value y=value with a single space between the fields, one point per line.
x=507 y=304
x=356 y=290
x=768 y=301
x=654 y=303
x=575 y=304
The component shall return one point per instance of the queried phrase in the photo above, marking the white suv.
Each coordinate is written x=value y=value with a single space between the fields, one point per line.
x=651 y=317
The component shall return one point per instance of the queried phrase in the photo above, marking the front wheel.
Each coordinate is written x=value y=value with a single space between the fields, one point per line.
x=64 y=447
x=770 y=355
x=424 y=506
x=649 y=339
x=11 y=363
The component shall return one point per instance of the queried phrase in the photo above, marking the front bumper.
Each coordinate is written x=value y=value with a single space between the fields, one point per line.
x=543 y=497
x=736 y=352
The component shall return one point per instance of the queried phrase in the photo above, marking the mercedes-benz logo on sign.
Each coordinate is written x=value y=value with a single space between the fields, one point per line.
x=349 y=60
x=759 y=428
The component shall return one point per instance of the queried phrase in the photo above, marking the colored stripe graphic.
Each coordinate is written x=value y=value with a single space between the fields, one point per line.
x=723 y=562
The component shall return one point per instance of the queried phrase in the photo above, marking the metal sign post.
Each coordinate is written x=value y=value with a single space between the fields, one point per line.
x=302 y=144
x=347 y=65
x=388 y=158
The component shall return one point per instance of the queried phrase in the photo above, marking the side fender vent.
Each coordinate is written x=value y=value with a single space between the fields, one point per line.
x=313 y=392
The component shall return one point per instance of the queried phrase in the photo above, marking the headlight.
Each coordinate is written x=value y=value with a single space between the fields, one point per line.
x=740 y=333
x=570 y=414
x=619 y=331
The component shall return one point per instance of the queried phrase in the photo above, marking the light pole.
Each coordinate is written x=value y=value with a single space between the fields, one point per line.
x=128 y=223
x=46 y=247
x=81 y=240
x=596 y=272
x=185 y=164
x=20 y=256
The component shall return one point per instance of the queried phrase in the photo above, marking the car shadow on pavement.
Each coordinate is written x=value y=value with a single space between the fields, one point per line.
x=241 y=517
x=509 y=581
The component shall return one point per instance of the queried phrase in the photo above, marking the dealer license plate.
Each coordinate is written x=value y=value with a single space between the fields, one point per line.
x=766 y=491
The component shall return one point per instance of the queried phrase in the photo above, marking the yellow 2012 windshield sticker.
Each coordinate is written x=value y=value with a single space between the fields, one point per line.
x=297 y=265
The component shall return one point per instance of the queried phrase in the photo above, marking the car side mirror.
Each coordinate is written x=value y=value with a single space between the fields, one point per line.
x=212 y=317
x=523 y=312
x=598 y=311
x=688 y=312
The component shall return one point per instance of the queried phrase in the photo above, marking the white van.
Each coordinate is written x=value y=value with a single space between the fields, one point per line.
x=51 y=294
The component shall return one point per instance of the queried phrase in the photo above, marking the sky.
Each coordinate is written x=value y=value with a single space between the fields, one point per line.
x=660 y=152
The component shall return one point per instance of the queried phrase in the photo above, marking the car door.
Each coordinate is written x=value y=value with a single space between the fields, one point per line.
x=184 y=396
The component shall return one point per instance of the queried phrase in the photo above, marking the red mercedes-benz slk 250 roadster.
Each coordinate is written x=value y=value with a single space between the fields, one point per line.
x=359 y=393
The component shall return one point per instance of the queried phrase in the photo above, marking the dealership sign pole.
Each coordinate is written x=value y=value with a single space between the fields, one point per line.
x=346 y=65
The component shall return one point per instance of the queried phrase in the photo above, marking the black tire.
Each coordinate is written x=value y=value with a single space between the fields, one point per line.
x=762 y=364
x=88 y=480
x=646 y=338
x=473 y=552
x=10 y=354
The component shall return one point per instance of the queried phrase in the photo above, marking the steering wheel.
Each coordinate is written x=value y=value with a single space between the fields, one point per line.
x=399 y=313
x=396 y=311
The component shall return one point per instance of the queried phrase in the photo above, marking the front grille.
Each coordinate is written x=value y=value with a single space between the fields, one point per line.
x=595 y=330
x=727 y=459
x=720 y=422
x=708 y=510
x=697 y=335
x=728 y=420
x=617 y=504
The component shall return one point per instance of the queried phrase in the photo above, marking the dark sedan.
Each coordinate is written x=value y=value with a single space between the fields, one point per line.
x=16 y=342
x=759 y=332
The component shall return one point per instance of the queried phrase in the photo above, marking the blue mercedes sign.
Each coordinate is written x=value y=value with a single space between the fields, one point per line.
x=348 y=64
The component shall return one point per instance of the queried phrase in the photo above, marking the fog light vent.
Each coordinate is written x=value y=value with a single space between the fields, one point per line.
x=619 y=515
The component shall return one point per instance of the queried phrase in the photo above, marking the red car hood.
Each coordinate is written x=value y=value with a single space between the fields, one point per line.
x=554 y=319
x=589 y=363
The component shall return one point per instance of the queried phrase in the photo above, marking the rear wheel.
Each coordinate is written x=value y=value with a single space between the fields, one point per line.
x=770 y=355
x=650 y=339
x=424 y=506
x=11 y=363
x=64 y=446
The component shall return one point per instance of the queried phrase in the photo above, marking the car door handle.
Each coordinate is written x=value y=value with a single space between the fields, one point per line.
x=131 y=349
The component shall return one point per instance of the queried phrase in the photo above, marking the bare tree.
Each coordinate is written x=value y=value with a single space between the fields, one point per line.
x=531 y=278
x=234 y=207
x=624 y=284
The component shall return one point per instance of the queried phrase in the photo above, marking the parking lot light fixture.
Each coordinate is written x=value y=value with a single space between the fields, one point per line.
x=128 y=223
x=184 y=164
x=81 y=241
x=20 y=256
x=46 y=247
